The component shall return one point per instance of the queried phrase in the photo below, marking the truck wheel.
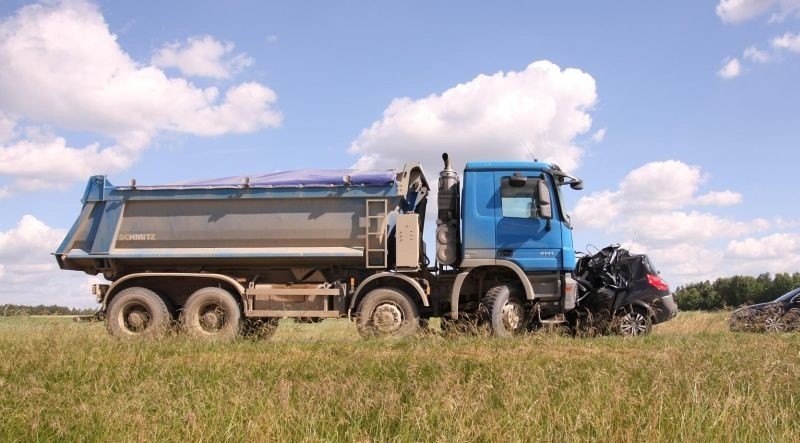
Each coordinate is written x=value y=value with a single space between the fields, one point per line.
x=259 y=328
x=137 y=312
x=635 y=321
x=505 y=314
x=212 y=313
x=387 y=312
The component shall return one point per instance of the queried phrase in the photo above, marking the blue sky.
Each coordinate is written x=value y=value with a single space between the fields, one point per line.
x=680 y=116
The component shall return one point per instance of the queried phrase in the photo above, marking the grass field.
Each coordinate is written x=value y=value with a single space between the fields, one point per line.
x=691 y=380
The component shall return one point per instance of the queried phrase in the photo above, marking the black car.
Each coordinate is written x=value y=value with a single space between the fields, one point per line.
x=779 y=315
x=620 y=292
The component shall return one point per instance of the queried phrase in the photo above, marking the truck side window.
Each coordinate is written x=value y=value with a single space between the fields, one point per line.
x=519 y=201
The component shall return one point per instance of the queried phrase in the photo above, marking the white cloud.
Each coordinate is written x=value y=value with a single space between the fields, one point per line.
x=43 y=164
x=599 y=135
x=736 y=11
x=652 y=205
x=777 y=252
x=63 y=68
x=29 y=273
x=597 y=210
x=664 y=185
x=774 y=246
x=7 y=128
x=664 y=228
x=507 y=115
x=202 y=56
x=719 y=198
x=757 y=55
x=787 y=41
x=732 y=68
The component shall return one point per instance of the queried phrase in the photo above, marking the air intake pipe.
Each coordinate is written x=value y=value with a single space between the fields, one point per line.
x=448 y=222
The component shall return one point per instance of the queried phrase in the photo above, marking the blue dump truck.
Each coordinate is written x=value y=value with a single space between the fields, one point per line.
x=232 y=256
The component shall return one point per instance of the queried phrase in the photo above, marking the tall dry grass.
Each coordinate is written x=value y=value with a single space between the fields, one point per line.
x=691 y=380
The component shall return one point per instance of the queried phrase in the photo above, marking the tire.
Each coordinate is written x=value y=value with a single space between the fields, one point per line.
x=137 y=312
x=503 y=313
x=635 y=322
x=212 y=314
x=386 y=312
x=774 y=321
x=259 y=328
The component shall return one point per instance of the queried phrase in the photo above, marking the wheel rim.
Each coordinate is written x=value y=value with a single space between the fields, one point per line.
x=633 y=323
x=387 y=318
x=513 y=316
x=212 y=318
x=773 y=323
x=135 y=318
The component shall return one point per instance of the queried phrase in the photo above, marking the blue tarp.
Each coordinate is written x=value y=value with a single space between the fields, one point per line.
x=290 y=179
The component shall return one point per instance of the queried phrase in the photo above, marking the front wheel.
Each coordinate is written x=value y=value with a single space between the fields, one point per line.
x=635 y=322
x=505 y=314
x=387 y=312
x=774 y=321
x=212 y=313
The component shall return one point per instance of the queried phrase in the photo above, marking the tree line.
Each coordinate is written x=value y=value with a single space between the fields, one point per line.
x=11 y=310
x=730 y=292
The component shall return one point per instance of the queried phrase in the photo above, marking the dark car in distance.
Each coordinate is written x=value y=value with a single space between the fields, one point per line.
x=779 y=315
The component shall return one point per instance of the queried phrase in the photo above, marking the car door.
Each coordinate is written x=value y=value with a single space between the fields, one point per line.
x=522 y=234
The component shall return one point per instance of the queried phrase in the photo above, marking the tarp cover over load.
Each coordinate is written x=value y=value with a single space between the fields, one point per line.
x=298 y=178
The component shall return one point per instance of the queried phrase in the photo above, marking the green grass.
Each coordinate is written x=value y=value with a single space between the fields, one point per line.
x=691 y=380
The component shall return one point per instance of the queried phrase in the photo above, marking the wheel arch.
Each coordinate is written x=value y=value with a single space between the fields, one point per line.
x=504 y=265
x=411 y=287
x=157 y=281
x=639 y=304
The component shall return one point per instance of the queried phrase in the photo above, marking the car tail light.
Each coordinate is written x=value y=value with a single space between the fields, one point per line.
x=657 y=282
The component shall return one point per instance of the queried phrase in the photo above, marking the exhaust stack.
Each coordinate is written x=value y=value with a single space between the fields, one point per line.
x=448 y=238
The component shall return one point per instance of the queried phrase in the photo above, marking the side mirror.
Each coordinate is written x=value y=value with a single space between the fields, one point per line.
x=577 y=185
x=545 y=209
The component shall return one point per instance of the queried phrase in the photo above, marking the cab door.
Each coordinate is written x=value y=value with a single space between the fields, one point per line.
x=526 y=228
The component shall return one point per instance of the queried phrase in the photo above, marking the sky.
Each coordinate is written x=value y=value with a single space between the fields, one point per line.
x=681 y=117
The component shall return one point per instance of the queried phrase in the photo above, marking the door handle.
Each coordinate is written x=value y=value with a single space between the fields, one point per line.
x=505 y=253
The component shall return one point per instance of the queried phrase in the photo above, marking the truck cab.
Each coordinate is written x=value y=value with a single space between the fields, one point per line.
x=516 y=251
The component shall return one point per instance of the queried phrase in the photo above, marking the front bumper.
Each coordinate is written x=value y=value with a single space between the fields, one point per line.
x=665 y=309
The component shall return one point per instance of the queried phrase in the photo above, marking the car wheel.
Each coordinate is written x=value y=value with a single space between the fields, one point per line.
x=774 y=322
x=635 y=322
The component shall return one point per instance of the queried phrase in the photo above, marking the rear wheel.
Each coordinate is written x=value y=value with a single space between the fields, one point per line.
x=634 y=322
x=137 y=312
x=212 y=313
x=387 y=312
x=504 y=313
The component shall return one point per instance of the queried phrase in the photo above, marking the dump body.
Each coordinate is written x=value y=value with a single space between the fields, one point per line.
x=308 y=218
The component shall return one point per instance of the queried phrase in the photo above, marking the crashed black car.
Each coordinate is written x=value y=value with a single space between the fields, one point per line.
x=620 y=292
x=779 y=315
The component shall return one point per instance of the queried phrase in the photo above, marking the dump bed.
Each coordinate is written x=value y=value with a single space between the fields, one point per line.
x=310 y=217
